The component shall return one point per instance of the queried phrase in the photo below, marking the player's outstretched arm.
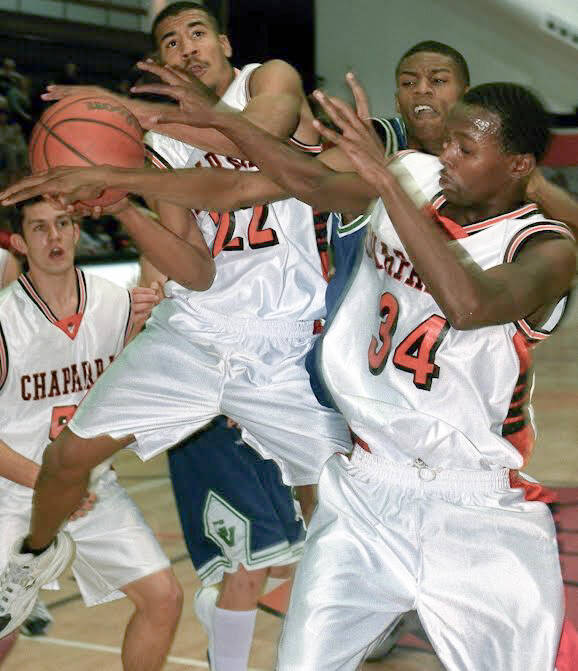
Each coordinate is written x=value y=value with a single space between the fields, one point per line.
x=277 y=100
x=195 y=188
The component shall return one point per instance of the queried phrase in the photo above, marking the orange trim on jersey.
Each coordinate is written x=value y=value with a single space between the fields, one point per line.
x=518 y=429
x=455 y=231
x=156 y=158
x=68 y=325
x=515 y=214
x=439 y=201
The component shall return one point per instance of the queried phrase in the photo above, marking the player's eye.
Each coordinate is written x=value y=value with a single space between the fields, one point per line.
x=198 y=33
x=407 y=83
x=439 y=81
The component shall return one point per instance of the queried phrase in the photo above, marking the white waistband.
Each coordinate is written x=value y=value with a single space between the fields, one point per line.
x=252 y=326
x=420 y=474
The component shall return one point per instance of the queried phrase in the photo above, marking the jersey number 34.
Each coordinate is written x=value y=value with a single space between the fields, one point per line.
x=415 y=353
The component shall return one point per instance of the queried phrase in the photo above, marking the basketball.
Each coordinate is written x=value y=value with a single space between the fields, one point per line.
x=83 y=131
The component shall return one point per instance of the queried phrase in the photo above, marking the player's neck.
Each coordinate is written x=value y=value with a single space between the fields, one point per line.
x=471 y=214
x=59 y=291
x=226 y=81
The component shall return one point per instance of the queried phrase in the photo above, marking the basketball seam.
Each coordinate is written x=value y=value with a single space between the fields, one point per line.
x=50 y=131
x=102 y=123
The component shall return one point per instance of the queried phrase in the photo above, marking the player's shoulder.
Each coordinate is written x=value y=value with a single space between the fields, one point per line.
x=392 y=133
x=424 y=168
x=272 y=73
x=165 y=152
x=98 y=286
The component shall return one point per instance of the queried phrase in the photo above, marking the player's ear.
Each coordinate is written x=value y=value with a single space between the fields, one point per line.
x=18 y=243
x=226 y=46
x=521 y=165
x=76 y=232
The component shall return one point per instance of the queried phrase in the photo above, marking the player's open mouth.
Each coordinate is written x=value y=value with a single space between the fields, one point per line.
x=424 y=111
x=56 y=252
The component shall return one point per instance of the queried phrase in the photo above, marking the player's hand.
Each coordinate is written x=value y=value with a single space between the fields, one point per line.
x=60 y=91
x=357 y=140
x=143 y=300
x=196 y=101
x=86 y=505
x=63 y=186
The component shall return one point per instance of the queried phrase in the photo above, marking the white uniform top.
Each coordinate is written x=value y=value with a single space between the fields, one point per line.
x=411 y=386
x=47 y=365
x=267 y=259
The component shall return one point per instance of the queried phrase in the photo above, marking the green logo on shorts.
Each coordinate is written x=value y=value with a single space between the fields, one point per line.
x=226 y=533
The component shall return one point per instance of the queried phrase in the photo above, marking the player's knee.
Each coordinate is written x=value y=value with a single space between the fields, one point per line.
x=162 y=599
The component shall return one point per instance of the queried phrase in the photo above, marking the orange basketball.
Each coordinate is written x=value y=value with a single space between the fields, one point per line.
x=81 y=131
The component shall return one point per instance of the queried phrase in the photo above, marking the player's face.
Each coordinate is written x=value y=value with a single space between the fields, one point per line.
x=428 y=86
x=49 y=238
x=476 y=170
x=189 y=41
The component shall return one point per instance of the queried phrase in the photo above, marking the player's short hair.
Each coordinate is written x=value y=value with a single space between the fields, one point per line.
x=16 y=213
x=177 y=8
x=431 y=46
x=525 y=123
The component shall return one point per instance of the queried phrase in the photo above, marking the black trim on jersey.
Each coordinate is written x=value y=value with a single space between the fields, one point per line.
x=158 y=156
x=41 y=304
x=4 y=359
x=129 y=318
x=551 y=233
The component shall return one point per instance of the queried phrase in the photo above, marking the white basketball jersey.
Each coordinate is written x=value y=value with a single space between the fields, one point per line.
x=267 y=258
x=408 y=384
x=47 y=365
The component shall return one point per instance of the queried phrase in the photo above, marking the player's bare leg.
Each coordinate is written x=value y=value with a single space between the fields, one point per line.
x=63 y=481
x=6 y=644
x=158 y=601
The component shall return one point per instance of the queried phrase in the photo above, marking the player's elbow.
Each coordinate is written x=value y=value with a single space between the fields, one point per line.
x=201 y=277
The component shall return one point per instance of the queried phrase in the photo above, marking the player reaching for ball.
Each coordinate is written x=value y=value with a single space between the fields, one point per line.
x=236 y=348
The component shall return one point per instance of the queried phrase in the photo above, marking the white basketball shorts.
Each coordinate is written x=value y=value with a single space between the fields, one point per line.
x=114 y=544
x=478 y=563
x=188 y=367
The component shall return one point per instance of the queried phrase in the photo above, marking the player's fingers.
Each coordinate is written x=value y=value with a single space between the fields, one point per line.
x=181 y=74
x=348 y=114
x=162 y=72
x=159 y=89
x=328 y=133
x=359 y=95
x=330 y=109
x=59 y=91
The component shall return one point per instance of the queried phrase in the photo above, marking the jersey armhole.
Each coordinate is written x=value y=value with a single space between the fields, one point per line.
x=552 y=229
